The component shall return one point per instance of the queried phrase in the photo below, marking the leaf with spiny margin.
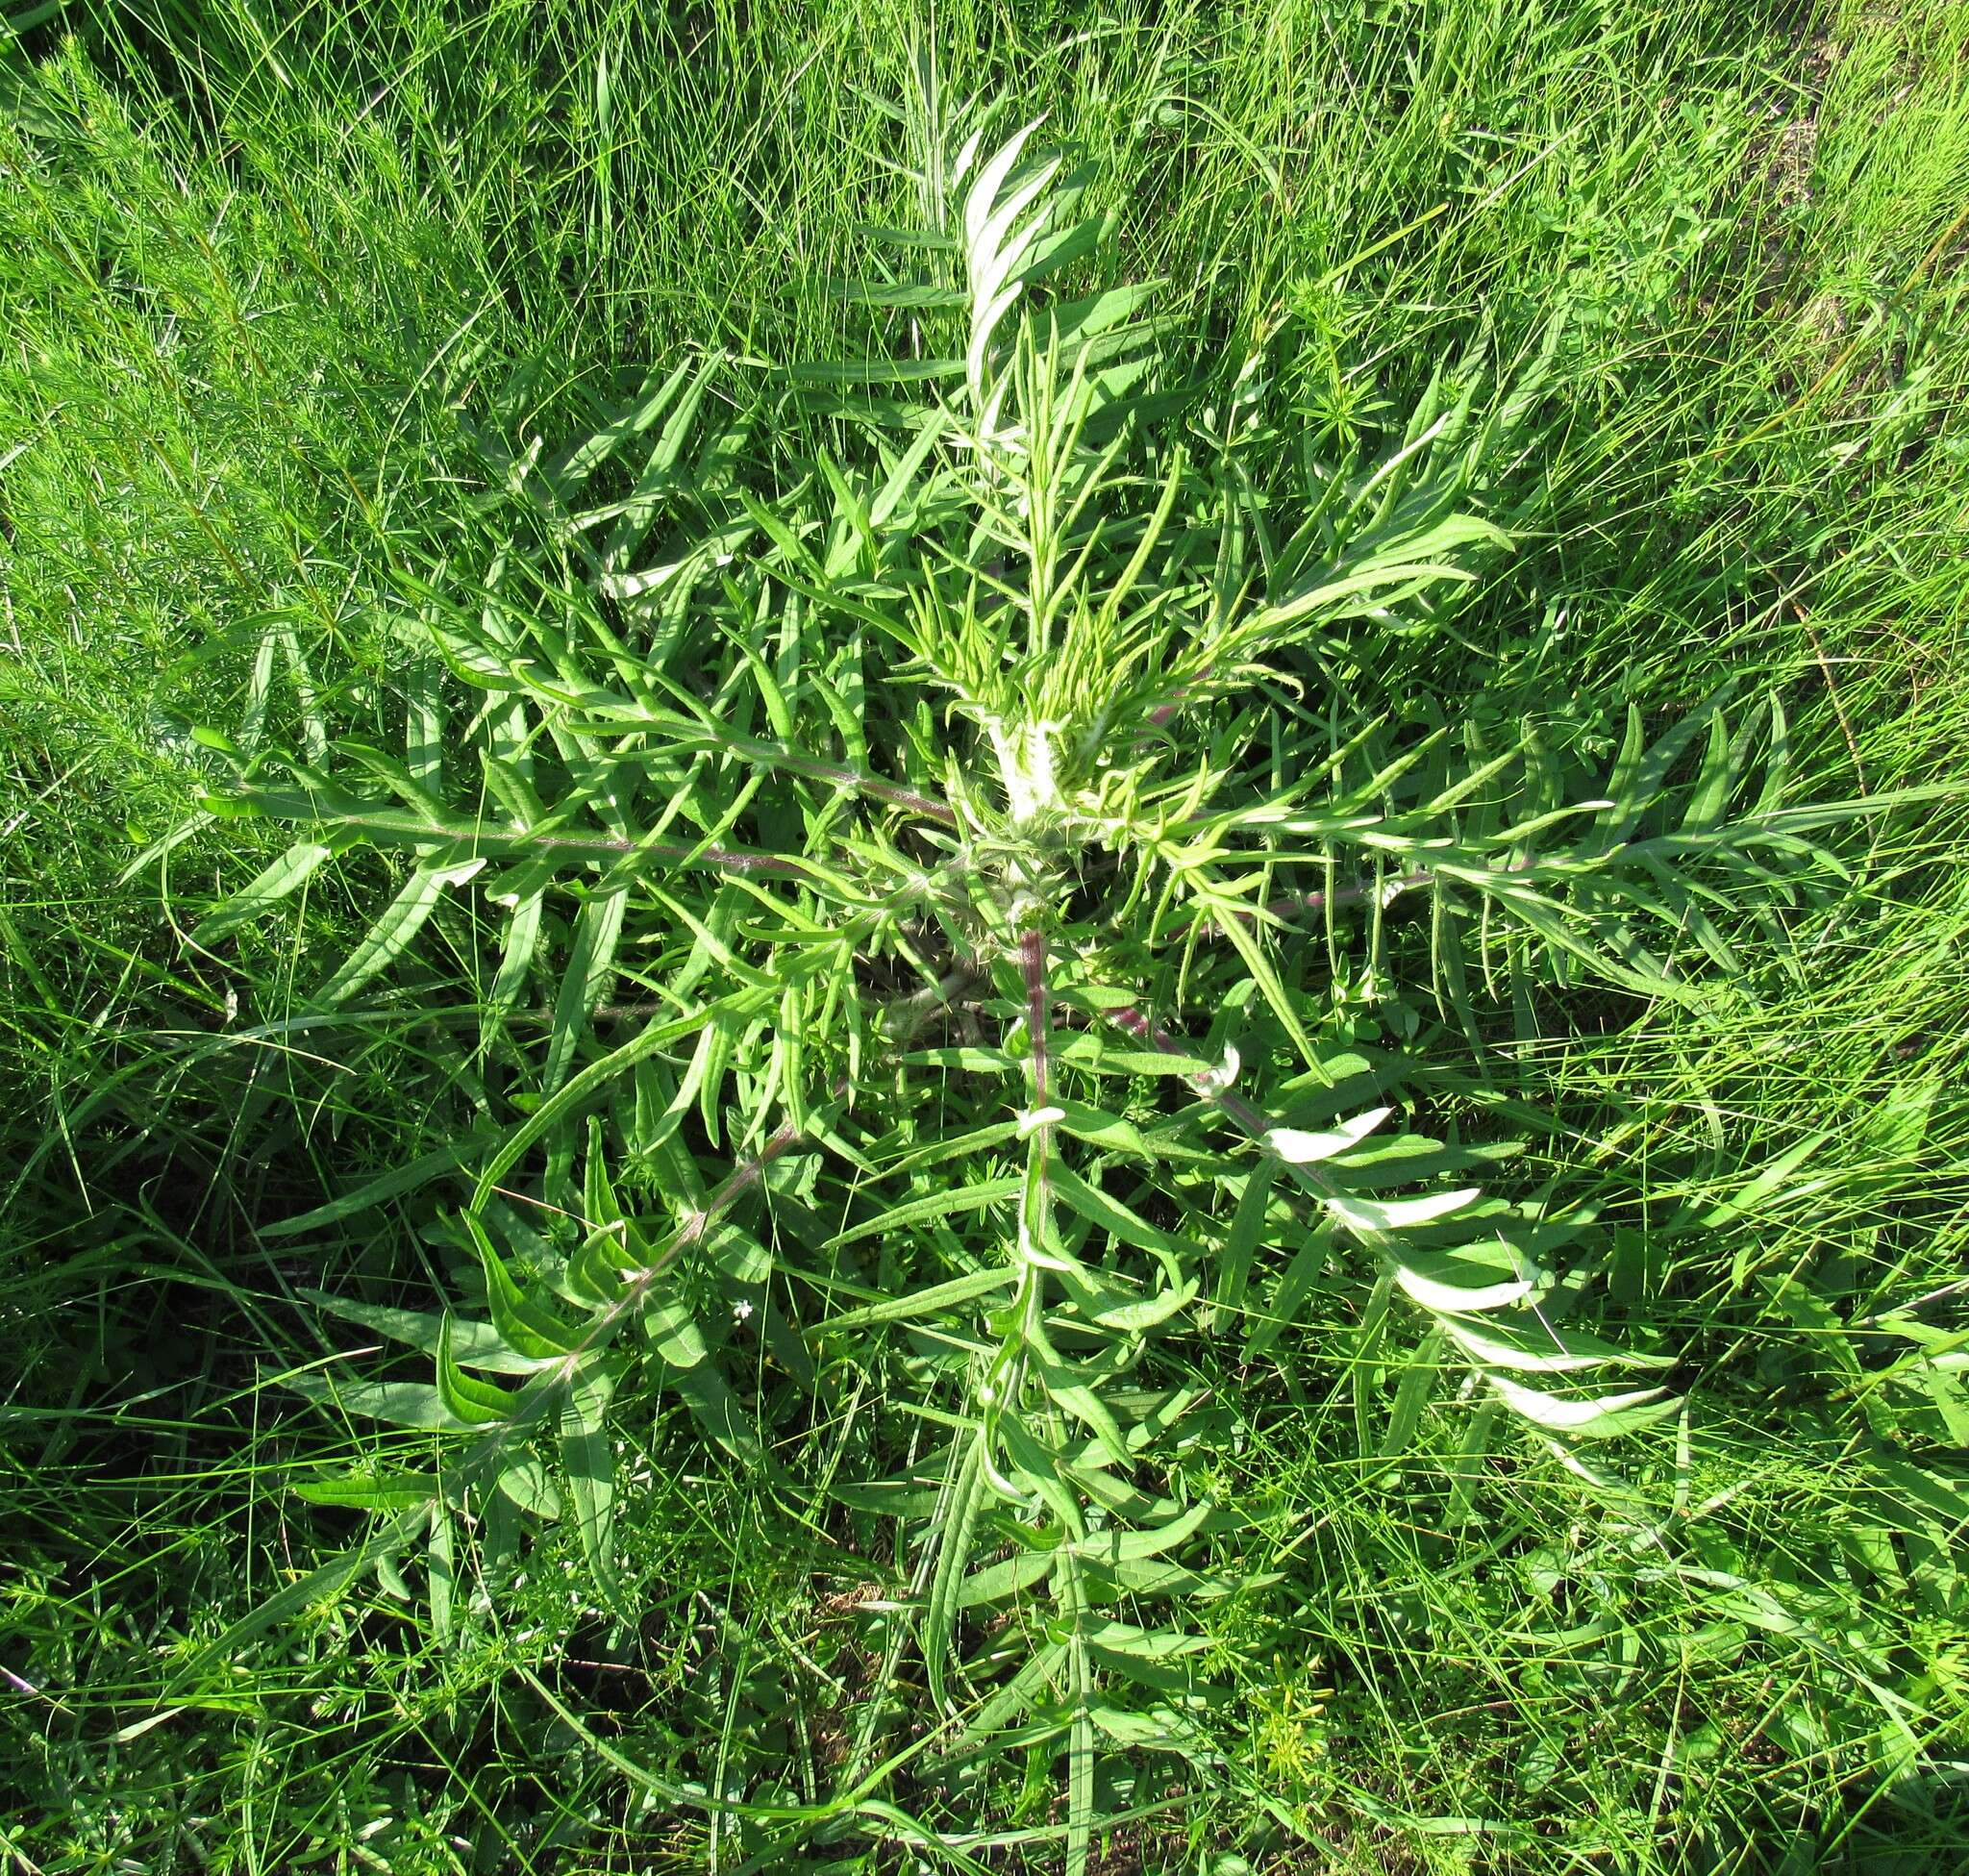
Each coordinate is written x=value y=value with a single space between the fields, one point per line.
x=359 y=1491
x=671 y=1326
x=395 y=1403
x=1114 y=1545
x=1015 y=1576
x=1264 y=975
x=588 y=1462
x=1098 y=1129
x=586 y=974
x=1490 y=1274
x=1288 y=1295
x=577 y=462
x=953 y=1533
x=526 y=1482
x=1079 y=1745
x=1377 y=1218
x=284 y=876
x=934 y=1206
x=937 y=1300
x=1247 y=1227
x=1640 y=774
x=1300 y=1149
x=1604 y=1416
x=1134 y=1317
x=599 y=1202
x=518 y=944
x=476 y=1403
x=402 y=920
x=440 y=1571
x=1064 y=1387
x=1153 y=1576
x=1018 y=1695
x=523 y=1325
x=473 y=1344
x=1116 y=1218
x=1711 y=796
x=1528 y=1345
x=1419 y=1371
x=695 y=1378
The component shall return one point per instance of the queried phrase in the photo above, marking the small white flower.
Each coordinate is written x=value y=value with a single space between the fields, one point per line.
x=740 y=1310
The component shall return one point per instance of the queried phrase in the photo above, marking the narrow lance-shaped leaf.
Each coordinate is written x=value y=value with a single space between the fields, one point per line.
x=279 y=880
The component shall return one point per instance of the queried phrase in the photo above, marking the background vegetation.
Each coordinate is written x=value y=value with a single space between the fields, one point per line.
x=269 y=284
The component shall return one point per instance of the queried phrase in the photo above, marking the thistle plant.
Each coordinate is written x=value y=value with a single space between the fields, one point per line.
x=948 y=941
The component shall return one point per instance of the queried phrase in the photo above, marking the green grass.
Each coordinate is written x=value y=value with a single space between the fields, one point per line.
x=267 y=288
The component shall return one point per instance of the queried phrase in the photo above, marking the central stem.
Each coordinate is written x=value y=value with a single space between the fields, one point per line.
x=1033 y=963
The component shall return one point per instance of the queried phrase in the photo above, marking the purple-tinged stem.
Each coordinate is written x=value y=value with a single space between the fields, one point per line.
x=1164 y=1042
x=1033 y=962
